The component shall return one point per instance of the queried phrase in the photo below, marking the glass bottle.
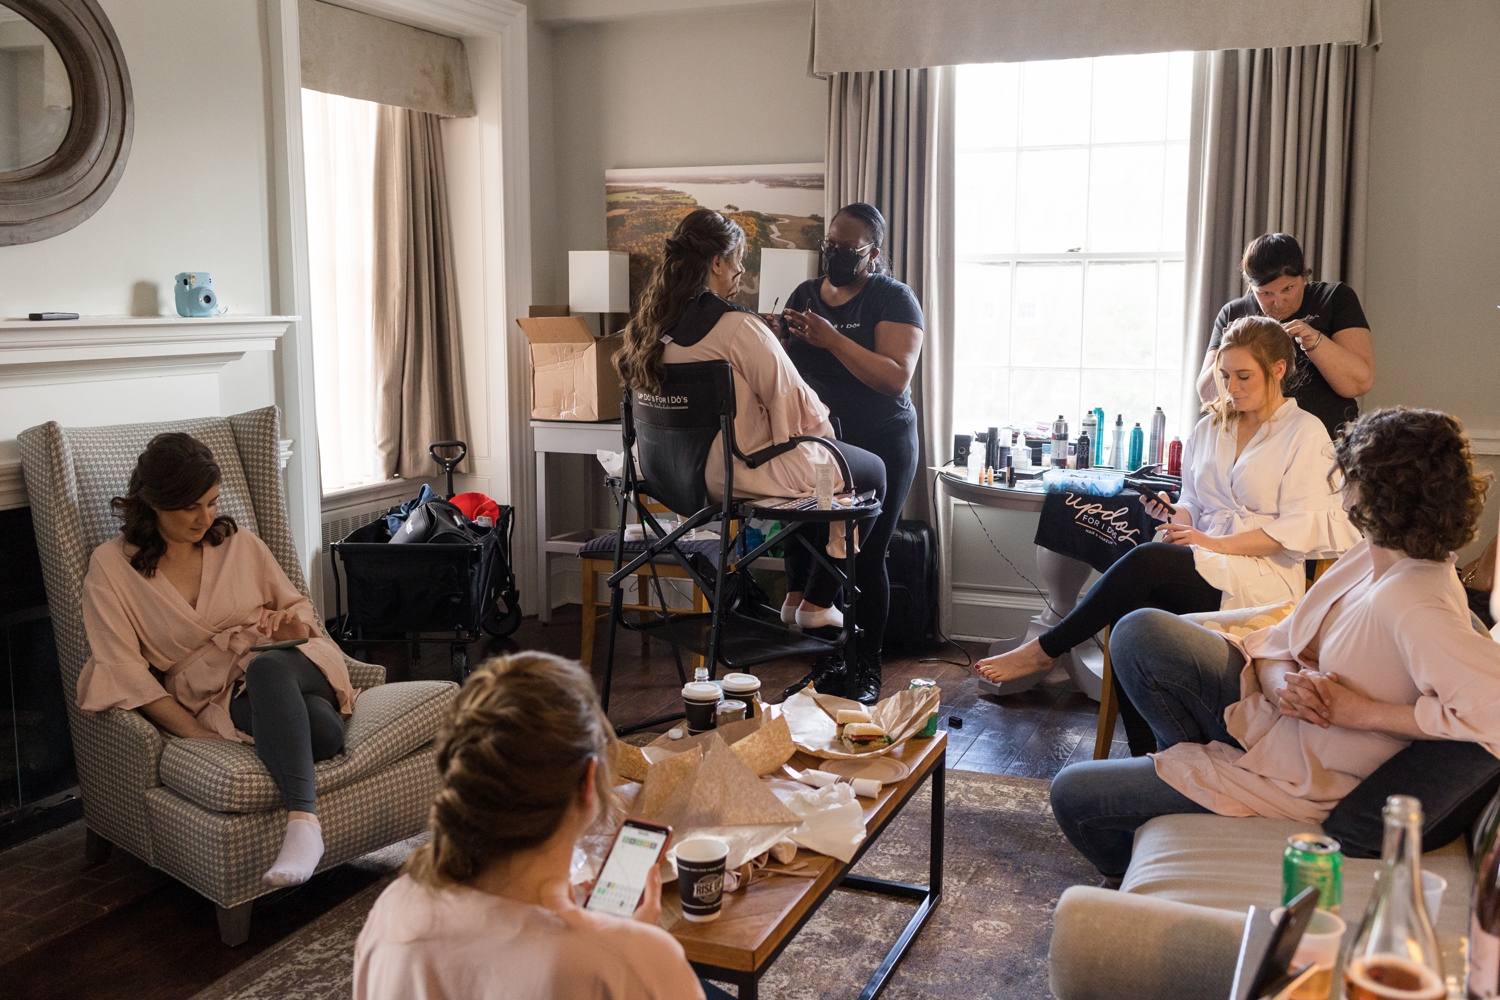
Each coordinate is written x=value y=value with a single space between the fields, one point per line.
x=1395 y=953
x=1484 y=920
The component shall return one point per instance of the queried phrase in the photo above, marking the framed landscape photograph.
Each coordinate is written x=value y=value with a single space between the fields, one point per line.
x=778 y=205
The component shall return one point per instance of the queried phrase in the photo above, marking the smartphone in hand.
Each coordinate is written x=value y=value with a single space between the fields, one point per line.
x=638 y=847
x=284 y=644
x=1159 y=506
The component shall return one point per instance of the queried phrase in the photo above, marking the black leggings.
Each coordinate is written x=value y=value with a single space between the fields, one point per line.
x=291 y=710
x=1153 y=575
x=818 y=585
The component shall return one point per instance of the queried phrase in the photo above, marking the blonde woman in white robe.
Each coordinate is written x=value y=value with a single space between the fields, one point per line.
x=1256 y=504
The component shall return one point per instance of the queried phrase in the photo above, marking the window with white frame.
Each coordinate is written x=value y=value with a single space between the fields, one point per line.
x=1070 y=228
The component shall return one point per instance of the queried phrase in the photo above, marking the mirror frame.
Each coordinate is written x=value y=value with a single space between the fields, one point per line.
x=49 y=198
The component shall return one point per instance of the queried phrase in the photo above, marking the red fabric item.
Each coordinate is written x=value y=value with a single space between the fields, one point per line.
x=477 y=505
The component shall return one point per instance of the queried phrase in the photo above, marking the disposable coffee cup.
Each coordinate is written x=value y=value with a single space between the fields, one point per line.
x=700 y=877
x=746 y=688
x=700 y=700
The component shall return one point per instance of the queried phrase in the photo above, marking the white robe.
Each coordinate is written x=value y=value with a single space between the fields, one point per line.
x=1279 y=484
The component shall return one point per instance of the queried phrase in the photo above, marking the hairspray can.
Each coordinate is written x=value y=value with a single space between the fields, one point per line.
x=992 y=448
x=1157 y=440
x=1174 y=457
x=1099 y=437
x=1117 y=446
x=1084 y=450
x=1059 y=443
x=1137 y=445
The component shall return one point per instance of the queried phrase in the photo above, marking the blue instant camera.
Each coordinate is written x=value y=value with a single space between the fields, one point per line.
x=195 y=294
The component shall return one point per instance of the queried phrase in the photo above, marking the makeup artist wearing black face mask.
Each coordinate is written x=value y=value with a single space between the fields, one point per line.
x=855 y=335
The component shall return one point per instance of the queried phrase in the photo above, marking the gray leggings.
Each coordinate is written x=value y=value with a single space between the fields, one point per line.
x=290 y=709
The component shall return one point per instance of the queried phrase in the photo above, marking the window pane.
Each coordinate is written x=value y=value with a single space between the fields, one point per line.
x=1055 y=102
x=1174 y=213
x=1039 y=395
x=1180 y=96
x=986 y=188
x=1121 y=393
x=1047 y=320
x=1053 y=211
x=1119 y=316
x=1125 y=185
x=983 y=329
x=1169 y=395
x=980 y=398
x=988 y=104
x=1169 y=310
x=1130 y=98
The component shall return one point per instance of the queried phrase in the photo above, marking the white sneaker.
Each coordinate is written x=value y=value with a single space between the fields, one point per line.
x=820 y=618
x=789 y=613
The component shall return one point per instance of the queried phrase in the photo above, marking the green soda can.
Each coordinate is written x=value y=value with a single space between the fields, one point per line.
x=1317 y=860
x=921 y=682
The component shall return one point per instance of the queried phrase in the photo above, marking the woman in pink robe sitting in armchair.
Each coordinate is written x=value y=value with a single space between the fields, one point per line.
x=180 y=608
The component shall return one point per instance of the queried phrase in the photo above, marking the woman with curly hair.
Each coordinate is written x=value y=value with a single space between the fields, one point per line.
x=484 y=910
x=1286 y=721
x=178 y=609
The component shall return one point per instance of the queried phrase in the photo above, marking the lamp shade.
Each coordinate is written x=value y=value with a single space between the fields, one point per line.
x=781 y=271
x=598 y=281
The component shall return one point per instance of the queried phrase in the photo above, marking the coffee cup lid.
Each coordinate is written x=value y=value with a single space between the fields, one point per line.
x=701 y=691
x=741 y=682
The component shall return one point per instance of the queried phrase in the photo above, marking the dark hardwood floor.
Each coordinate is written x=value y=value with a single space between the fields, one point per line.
x=153 y=937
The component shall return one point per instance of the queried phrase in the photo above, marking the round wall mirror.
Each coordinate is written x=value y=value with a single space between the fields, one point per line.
x=66 y=116
x=36 y=98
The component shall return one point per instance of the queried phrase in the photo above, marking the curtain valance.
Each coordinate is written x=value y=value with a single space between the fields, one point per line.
x=860 y=35
x=358 y=55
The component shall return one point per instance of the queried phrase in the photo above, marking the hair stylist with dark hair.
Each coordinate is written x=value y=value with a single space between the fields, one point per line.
x=855 y=335
x=1335 y=356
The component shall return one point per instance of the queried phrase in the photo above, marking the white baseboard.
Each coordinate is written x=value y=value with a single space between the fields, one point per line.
x=1011 y=600
x=1485 y=442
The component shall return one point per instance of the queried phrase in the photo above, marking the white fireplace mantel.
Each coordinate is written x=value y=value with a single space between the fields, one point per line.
x=117 y=369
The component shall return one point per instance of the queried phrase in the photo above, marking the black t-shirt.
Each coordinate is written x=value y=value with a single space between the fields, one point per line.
x=1327 y=306
x=882 y=300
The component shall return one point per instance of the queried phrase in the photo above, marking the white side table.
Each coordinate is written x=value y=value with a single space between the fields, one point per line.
x=562 y=437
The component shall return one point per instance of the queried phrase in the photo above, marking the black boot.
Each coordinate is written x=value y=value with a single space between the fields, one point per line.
x=827 y=676
x=865 y=685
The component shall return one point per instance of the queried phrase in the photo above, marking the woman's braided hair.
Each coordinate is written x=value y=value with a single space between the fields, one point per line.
x=513 y=751
x=687 y=257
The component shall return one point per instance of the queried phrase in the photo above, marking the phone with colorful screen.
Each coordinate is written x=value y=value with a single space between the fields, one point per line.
x=622 y=880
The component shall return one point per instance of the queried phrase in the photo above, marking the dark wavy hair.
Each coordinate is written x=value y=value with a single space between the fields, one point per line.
x=1417 y=489
x=1272 y=256
x=513 y=752
x=171 y=474
x=687 y=258
x=874 y=222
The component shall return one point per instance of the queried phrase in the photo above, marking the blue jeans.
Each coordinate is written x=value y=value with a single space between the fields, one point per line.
x=1181 y=676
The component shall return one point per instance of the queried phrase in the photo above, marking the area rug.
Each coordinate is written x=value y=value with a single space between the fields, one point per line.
x=1005 y=864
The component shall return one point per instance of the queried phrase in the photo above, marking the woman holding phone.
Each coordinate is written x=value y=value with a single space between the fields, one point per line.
x=855 y=335
x=484 y=910
x=1256 y=504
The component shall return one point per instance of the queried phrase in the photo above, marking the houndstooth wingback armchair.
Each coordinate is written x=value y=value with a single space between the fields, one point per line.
x=206 y=811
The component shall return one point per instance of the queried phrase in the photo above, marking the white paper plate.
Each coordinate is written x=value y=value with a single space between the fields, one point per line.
x=886 y=770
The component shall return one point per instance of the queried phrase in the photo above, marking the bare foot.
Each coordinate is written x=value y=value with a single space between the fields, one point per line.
x=1022 y=661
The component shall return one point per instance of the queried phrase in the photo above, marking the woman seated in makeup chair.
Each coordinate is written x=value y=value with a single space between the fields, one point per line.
x=179 y=608
x=1380 y=659
x=686 y=315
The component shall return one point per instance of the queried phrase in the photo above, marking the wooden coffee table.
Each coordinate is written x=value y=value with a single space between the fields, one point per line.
x=760 y=921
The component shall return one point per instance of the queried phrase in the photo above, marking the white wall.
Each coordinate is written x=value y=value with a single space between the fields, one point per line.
x=1434 y=252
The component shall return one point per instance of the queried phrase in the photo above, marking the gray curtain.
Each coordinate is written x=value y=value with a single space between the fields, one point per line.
x=1280 y=143
x=890 y=143
x=419 y=383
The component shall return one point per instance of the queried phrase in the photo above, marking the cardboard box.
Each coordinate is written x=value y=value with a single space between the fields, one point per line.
x=572 y=376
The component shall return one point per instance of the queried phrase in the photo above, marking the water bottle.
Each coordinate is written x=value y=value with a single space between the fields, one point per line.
x=1137 y=445
x=1158 y=436
x=1099 y=435
x=1117 y=449
x=1085 y=449
x=1059 y=443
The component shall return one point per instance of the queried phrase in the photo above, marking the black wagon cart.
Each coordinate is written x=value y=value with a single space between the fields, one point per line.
x=452 y=586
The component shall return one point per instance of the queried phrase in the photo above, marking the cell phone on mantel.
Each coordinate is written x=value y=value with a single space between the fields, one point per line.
x=637 y=849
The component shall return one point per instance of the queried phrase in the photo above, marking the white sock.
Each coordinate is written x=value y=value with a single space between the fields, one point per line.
x=300 y=853
x=789 y=612
x=820 y=618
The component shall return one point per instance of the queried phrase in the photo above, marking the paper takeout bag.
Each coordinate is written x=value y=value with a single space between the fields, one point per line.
x=810 y=717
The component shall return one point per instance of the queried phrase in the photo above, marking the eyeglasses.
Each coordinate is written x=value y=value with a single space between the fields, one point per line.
x=829 y=246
